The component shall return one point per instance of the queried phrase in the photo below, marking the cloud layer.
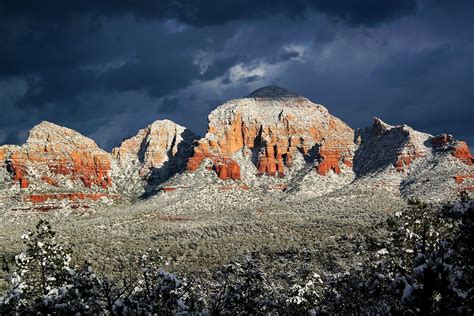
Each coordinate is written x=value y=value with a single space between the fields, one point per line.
x=108 y=68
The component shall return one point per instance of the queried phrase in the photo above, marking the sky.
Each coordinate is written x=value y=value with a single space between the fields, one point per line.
x=108 y=68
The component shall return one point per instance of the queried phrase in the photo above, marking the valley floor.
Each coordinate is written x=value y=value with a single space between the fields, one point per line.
x=196 y=234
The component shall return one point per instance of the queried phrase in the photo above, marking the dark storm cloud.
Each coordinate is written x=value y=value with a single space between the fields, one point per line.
x=219 y=67
x=149 y=76
x=432 y=85
x=54 y=84
x=169 y=105
x=108 y=68
x=283 y=56
x=212 y=12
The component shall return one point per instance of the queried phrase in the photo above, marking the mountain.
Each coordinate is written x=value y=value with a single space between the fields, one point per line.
x=272 y=139
x=58 y=168
x=156 y=153
x=272 y=143
x=55 y=166
x=273 y=132
x=276 y=140
x=415 y=164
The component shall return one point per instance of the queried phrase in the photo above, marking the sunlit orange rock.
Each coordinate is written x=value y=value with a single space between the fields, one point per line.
x=3 y=155
x=347 y=161
x=49 y=181
x=460 y=178
x=274 y=129
x=329 y=161
x=226 y=169
x=201 y=152
x=165 y=189
x=405 y=160
x=53 y=153
x=459 y=149
x=16 y=166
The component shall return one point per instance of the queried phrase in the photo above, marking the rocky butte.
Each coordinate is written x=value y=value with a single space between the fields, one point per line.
x=56 y=159
x=271 y=126
x=271 y=140
x=58 y=167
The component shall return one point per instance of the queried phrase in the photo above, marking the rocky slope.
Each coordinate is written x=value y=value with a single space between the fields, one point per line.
x=411 y=163
x=276 y=140
x=156 y=153
x=272 y=143
x=273 y=137
x=58 y=168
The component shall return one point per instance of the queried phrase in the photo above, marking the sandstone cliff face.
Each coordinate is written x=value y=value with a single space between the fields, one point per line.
x=55 y=159
x=54 y=154
x=154 y=154
x=58 y=167
x=270 y=141
x=270 y=127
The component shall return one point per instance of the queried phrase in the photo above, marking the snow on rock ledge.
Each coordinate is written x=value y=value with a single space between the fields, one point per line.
x=56 y=159
x=270 y=127
x=59 y=168
x=153 y=155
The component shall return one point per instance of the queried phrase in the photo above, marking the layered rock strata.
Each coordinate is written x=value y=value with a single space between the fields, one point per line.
x=58 y=167
x=270 y=127
x=271 y=140
x=54 y=154
x=56 y=159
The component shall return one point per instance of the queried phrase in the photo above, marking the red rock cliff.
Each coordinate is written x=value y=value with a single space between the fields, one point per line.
x=458 y=149
x=57 y=158
x=275 y=129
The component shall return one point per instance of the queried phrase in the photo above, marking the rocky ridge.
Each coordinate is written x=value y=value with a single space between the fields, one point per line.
x=155 y=154
x=272 y=142
x=56 y=165
x=411 y=163
x=272 y=132
x=58 y=168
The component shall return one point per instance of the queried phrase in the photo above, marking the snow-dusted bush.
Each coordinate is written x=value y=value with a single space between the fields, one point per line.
x=305 y=297
x=430 y=261
x=157 y=291
x=421 y=261
x=44 y=282
x=424 y=266
x=240 y=288
x=42 y=272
